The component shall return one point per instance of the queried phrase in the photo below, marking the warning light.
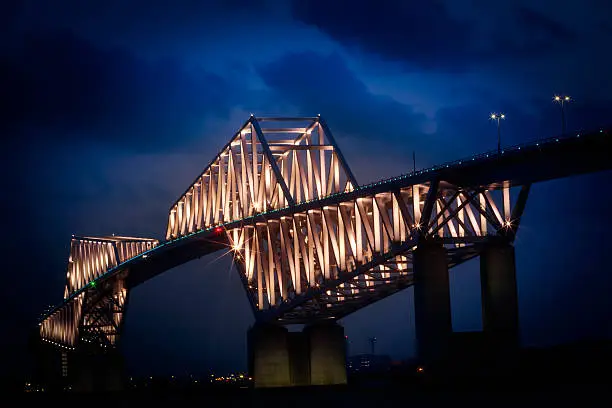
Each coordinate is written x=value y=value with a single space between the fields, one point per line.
x=218 y=230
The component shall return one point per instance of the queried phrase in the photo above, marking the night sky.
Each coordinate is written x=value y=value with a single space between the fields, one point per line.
x=109 y=109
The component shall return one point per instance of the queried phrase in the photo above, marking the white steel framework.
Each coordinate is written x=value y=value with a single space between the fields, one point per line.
x=261 y=169
x=99 y=309
x=280 y=258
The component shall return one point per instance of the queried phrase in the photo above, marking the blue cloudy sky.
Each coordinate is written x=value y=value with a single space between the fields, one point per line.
x=110 y=108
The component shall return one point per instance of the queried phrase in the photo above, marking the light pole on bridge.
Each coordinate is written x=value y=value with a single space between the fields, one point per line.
x=562 y=100
x=498 y=117
x=372 y=344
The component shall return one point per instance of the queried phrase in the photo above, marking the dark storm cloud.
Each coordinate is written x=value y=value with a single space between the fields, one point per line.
x=155 y=25
x=365 y=124
x=426 y=35
x=325 y=84
x=539 y=34
x=57 y=83
x=540 y=25
x=139 y=14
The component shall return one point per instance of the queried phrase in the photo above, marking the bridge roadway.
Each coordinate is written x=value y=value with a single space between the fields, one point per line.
x=542 y=160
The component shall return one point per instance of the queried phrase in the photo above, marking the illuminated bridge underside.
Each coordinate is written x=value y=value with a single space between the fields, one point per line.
x=360 y=249
x=308 y=241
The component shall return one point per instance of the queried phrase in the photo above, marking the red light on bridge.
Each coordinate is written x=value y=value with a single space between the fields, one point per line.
x=218 y=230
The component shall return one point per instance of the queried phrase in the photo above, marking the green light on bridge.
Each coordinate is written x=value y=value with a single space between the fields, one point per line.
x=92 y=284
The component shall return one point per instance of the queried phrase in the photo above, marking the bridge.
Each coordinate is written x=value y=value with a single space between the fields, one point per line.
x=311 y=245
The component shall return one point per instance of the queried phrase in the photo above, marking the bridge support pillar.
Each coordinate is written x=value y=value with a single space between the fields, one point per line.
x=432 y=303
x=279 y=358
x=327 y=354
x=500 y=320
x=269 y=356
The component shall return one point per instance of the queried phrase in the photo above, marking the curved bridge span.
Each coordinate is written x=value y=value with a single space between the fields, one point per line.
x=309 y=242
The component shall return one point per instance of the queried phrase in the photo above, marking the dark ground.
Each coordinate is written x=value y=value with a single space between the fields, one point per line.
x=576 y=375
x=577 y=395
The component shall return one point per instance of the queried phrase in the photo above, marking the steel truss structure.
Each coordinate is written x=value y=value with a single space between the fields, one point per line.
x=352 y=251
x=94 y=314
x=309 y=242
x=261 y=169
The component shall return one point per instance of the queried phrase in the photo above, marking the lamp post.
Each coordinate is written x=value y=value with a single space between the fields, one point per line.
x=497 y=117
x=372 y=343
x=562 y=100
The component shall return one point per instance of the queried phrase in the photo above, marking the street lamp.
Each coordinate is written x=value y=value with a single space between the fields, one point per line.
x=562 y=100
x=498 y=117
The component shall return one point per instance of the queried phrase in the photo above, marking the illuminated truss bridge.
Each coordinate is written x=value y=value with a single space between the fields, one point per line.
x=309 y=242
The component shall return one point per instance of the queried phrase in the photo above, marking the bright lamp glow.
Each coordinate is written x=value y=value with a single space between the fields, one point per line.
x=562 y=98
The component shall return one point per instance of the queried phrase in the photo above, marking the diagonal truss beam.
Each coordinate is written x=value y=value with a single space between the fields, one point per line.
x=264 y=144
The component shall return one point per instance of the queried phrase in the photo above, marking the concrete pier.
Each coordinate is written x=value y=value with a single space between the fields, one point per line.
x=279 y=358
x=432 y=302
x=327 y=354
x=500 y=319
x=269 y=356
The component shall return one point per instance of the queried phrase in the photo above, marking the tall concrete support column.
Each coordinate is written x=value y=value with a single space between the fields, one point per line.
x=500 y=320
x=432 y=302
x=327 y=354
x=269 y=356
